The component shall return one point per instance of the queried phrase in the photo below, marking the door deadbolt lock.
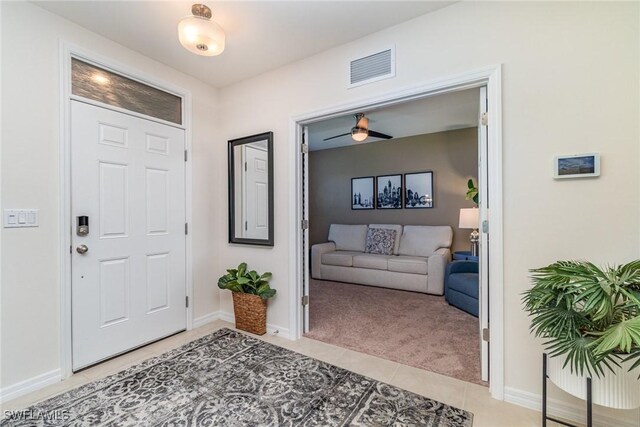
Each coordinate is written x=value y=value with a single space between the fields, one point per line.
x=82 y=226
x=82 y=249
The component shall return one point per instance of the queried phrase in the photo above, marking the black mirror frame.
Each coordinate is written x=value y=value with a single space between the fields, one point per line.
x=232 y=144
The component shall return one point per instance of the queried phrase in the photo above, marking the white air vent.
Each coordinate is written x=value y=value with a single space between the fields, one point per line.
x=371 y=68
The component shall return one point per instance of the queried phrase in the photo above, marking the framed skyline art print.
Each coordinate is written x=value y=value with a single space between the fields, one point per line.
x=362 y=193
x=418 y=190
x=389 y=192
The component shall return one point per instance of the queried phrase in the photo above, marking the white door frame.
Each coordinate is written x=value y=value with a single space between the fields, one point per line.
x=492 y=79
x=483 y=197
x=67 y=51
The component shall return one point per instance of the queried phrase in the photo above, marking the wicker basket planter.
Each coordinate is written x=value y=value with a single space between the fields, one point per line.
x=250 y=312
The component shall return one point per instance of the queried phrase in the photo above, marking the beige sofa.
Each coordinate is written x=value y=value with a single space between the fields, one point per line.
x=420 y=256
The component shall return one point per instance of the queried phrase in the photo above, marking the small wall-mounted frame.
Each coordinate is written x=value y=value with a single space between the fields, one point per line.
x=418 y=190
x=362 y=193
x=585 y=165
x=251 y=190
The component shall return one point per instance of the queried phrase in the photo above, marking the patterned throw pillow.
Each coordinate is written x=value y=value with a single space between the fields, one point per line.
x=380 y=241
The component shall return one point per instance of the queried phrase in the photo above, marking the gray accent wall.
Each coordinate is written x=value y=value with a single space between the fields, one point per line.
x=452 y=156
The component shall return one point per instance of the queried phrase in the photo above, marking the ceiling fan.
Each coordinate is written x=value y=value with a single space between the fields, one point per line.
x=361 y=130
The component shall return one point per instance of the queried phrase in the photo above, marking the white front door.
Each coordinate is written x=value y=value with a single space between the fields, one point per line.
x=256 y=181
x=128 y=178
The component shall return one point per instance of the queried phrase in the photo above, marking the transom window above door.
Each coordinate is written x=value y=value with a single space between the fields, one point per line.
x=98 y=84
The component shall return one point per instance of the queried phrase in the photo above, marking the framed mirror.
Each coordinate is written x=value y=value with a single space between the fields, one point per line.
x=251 y=190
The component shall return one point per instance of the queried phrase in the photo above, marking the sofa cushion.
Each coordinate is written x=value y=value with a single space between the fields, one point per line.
x=348 y=237
x=407 y=264
x=423 y=240
x=340 y=258
x=380 y=241
x=396 y=227
x=372 y=261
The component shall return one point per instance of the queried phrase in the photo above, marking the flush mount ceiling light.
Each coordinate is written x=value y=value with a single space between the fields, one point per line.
x=199 y=34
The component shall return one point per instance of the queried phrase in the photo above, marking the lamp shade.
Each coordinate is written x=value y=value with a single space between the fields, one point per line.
x=200 y=35
x=469 y=218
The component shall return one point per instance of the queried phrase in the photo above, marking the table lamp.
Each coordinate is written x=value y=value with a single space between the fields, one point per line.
x=470 y=219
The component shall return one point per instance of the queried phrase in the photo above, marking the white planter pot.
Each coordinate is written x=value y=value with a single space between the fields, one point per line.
x=619 y=389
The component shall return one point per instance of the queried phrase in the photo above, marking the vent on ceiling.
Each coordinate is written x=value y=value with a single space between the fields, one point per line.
x=371 y=68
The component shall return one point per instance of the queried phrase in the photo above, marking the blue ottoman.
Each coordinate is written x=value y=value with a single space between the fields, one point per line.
x=461 y=286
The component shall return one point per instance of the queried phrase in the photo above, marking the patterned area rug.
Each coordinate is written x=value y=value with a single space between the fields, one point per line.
x=230 y=379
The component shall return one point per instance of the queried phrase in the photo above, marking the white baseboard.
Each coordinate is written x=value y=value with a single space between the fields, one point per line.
x=207 y=318
x=29 y=385
x=566 y=411
x=229 y=317
x=271 y=329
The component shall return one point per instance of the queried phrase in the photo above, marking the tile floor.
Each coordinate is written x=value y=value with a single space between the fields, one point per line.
x=487 y=411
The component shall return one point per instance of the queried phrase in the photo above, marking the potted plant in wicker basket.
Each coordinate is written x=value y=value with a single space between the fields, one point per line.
x=250 y=292
x=591 y=317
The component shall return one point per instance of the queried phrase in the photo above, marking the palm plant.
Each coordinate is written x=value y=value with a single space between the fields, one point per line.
x=248 y=282
x=589 y=314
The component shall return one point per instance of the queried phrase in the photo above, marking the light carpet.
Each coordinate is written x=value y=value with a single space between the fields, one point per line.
x=411 y=328
x=230 y=379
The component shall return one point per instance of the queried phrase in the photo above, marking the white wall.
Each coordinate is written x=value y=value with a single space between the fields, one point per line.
x=570 y=85
x=30 y=171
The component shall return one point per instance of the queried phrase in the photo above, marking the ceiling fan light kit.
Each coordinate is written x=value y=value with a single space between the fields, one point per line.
x=359 y=134
x=199 y=34
x=361 y=131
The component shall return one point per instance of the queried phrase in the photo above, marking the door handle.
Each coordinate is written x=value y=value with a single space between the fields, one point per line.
x=82 y=249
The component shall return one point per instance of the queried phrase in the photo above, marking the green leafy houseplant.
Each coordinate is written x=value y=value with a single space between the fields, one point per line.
x=589 y=314
x=248 y=282
x=472 y=192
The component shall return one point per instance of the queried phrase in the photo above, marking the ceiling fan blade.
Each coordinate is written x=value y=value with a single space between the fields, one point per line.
x=337 y=136
x=375 y=134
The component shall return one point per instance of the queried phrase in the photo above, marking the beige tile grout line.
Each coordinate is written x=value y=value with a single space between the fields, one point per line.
x=394 y=372
x=465 y=395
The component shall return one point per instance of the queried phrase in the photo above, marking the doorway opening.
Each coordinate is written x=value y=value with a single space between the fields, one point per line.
x=486 y=84
x=383 y=225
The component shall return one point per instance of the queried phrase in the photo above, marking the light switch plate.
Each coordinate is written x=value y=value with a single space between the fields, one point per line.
x=20 y=218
